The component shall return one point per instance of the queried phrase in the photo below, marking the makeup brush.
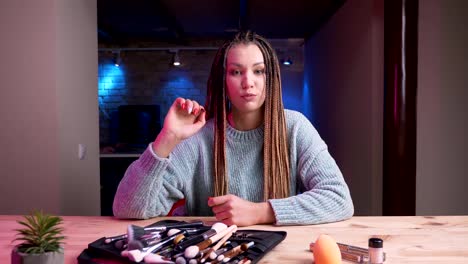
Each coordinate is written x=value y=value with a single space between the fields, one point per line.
x=172 y=231
x=192 y=251
x=135 y=244
x=120 y=244
x=162 y=228
x=245 y=260
x=144 y=241
x=178 y=239
x=155 y=258
x=213 y=252
x=180 y=260
x=190 y=232
x=136 y=233
x=199 y=255
x=137 y=230
x=217 y=227
x=234 y=252
x=138 y=255
x=220 y=251
x=165 y=252
x=140 y=244
x=109 y=240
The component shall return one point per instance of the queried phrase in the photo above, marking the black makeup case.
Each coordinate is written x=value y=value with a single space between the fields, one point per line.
x=98 y=252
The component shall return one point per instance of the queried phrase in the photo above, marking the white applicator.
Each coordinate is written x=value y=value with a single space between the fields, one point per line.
x=192 y=251
x=155 y=258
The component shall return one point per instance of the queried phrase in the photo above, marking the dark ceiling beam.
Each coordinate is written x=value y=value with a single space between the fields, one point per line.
x=170 y=20
x=104 y=34
x=107 y=35
x=337 y=4
x=243 y=21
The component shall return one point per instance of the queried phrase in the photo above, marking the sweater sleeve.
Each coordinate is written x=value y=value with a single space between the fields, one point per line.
x=326 y=197
x=149 y=188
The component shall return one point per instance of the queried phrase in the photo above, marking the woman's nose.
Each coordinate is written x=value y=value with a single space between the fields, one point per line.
x=247 y=81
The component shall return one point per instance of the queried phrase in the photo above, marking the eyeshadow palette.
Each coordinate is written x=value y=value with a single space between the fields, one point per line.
x=251 y=246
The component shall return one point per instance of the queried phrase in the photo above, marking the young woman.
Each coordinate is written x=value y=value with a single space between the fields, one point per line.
x=251 y=163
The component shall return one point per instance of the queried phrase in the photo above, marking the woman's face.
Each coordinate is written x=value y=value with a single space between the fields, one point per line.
x=245 y=78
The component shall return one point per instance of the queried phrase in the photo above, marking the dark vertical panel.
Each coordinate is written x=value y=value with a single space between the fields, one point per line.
x=243 y=21
x=401 y=55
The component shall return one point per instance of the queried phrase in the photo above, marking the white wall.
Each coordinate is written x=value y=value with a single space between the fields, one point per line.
x=442 y=127
x=48 y=103
x=28 y=133
x=77 y=94
x=344 y=74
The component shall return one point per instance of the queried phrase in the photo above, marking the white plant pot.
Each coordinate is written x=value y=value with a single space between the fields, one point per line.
x=46 y=258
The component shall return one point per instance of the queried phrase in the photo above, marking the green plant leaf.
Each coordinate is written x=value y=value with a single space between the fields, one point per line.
x=41 y=233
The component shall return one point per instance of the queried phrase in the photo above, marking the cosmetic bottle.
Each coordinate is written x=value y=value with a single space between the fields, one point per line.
x=376 y=254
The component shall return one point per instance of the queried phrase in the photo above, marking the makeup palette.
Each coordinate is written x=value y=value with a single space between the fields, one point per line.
x=186 y=243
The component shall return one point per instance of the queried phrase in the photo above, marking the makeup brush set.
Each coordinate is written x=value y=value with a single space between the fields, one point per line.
x=179 y=242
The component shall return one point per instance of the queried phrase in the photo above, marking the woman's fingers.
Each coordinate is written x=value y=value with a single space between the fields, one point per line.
x=231 y=209
x=185 y=118
x=189 y=106
x=180 y=102
x=196 y=108
x=223 y=215
x=218 y=200
x=201 y=118
x=221 y=208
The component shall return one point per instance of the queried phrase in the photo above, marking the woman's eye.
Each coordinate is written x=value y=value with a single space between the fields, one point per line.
x=259 y=71
x=235 y=72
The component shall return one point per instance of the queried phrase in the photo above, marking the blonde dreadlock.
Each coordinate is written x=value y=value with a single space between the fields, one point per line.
x=276 y=174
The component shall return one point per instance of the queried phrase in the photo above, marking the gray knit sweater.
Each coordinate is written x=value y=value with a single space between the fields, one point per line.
x=319 y=193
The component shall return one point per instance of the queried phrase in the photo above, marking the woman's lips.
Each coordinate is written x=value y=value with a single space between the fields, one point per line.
x=249 y=97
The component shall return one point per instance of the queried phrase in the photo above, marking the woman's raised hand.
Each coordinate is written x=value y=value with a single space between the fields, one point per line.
x=184 y=118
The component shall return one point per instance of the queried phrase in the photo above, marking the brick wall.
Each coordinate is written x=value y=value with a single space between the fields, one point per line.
x=148 y=77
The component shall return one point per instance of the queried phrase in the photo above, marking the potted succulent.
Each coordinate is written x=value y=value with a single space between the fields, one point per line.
x=41 y=238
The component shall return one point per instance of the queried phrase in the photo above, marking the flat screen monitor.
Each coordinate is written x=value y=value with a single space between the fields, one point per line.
x=138 y=124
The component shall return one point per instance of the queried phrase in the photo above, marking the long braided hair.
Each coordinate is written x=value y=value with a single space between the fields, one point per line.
x=276 y=173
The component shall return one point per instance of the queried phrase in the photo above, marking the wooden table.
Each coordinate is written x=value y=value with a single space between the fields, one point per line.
x=439 y=239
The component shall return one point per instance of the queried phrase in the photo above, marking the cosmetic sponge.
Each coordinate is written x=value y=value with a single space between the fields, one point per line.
x=326 y=251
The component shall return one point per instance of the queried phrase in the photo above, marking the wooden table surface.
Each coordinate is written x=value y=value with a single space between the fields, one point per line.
x=416 y=239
